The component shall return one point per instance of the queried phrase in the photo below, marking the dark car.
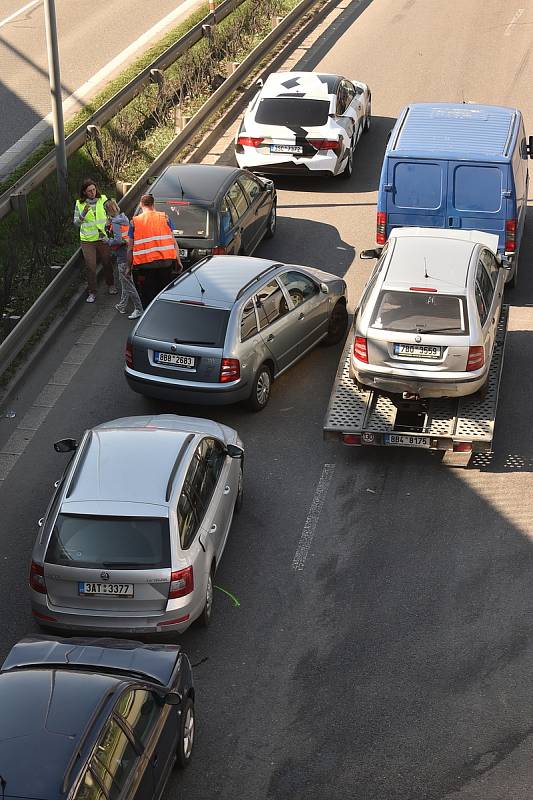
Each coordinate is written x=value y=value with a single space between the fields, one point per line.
x=215 y=210
x=93 y=719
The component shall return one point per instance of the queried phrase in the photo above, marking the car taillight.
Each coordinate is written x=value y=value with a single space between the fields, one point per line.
x=351 y=438
x=218 y=251
x=325 y=144
x=476 y=358
x=128 y=355
x=360 y=349
x=181 y=583
x=37 y=581
x=381 y=227
x=230 y=370
x=250 y=141
x=462 y=447
x=510 y=235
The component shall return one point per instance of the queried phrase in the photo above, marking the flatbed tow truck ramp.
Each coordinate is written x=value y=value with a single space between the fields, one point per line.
x=459 y=427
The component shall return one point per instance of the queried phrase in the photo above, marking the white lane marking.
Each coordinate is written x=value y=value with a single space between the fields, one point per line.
x=509 y=29
x=311 y=522
x=16 y=14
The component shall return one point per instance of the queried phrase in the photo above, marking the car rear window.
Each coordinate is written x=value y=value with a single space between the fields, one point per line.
x=185 y=323
x=477 y=188
x=420 y=312
x=91 y=541
x=288 y=111
x=187 y=219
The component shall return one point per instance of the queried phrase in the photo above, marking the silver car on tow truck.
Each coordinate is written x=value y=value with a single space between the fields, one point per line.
x=427 y=320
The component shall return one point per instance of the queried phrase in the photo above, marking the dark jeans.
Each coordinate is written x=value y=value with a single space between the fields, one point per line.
x=153 y=277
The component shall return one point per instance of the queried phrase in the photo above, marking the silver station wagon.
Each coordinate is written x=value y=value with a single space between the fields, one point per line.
x=137 y=526
x=426 y=323
x=222 y=332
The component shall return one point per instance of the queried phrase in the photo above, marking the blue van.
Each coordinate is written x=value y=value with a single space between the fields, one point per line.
x=452 y=165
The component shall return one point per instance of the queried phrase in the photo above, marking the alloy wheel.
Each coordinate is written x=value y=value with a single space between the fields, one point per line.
x=188 y=732
x=263 y=387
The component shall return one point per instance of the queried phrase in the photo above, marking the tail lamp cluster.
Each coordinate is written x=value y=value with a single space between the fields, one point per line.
x=476 y=358
x=510 y=235
x=181 y=583
x=230 y=370
x=360 y=349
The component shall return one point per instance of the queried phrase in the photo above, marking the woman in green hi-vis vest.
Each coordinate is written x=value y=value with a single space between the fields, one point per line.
x=90 y=217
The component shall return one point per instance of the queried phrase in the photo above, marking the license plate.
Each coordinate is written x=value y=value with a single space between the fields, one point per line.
x=117 y=589
x=406 y=440
x=183 y=253
x=286 y=148
x=428 y=351
x=172 y=358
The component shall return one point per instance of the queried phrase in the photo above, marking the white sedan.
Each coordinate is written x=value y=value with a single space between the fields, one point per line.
x=303 y=122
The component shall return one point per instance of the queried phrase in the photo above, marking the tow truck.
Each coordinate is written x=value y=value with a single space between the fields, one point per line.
x=459 y=427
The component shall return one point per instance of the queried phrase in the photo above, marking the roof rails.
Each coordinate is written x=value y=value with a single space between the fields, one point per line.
x=256 y=278
x=175 y=468
x=74 y=479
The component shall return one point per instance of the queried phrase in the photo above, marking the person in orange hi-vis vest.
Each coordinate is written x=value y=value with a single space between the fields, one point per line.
x=153 y=252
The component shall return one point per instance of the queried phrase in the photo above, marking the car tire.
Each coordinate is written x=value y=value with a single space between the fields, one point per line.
x=240 y=493
x=338 y=322
x=261 y=387
x=272 y=222
x=205 y=617
x=368 y=120
x=185 y=746
x=348 y=169
x=513 y=283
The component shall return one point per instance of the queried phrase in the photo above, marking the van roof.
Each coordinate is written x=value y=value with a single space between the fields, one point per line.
x=456 y=130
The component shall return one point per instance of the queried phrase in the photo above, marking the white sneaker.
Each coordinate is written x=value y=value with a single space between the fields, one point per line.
x=112 y=290
x=135 y=314
x=91 y=297
x=120 y=309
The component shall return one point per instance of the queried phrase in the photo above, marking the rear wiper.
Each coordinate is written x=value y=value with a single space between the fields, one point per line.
x=190 y=341
x=437 y=330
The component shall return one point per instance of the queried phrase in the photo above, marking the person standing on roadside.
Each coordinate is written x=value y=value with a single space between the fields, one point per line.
x=90 y=217
x=153 y=252
x=117 y=229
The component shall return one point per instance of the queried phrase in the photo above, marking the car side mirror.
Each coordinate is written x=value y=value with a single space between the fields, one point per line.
x=324 y=288
x=152 y=179
x=259 y=83
x=234 y=451
x=368 y=254
x=529 y=147
x=65 y=445
x=172 y=699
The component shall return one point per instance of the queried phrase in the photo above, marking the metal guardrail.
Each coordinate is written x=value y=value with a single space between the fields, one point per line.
x=37 y=174
x=46 y=302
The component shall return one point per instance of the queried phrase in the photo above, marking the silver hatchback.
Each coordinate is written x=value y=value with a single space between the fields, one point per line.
x=224 y=331
x=426 y=323
x=137 y=526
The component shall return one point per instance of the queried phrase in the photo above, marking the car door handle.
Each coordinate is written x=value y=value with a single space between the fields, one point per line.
x=493 y=320
x=155 y=759
x=213 y=528
x=302 y=316
x=227 y=489
x=41 y=522
x=271 y=338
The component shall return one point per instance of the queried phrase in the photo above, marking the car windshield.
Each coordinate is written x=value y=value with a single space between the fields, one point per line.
x=91 y=541
x=290 y=111
x=185 y=323
x=187 y=219
x=420 y=312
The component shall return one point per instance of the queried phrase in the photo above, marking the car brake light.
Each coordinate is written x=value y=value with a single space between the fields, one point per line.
x=218 y=251
x=351 y=438
x=510 y=235
x=128 y=355
x=181 y=583
x=37 y=581
x=381 y=228
x=476 y=358
x=250 y=141
x=230 y=370
x=360 y=349
x=178 y=203
x=325 y=144
x=421 y=289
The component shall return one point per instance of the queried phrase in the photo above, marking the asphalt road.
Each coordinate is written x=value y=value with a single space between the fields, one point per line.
x=91 y=35
x=397 y=664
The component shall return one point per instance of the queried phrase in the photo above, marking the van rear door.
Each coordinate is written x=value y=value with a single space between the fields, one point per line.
x=415 y=193
x=480 y=197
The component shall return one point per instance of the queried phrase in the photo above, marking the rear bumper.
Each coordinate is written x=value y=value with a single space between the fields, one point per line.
x=216 y=394
x=320 y=165
x=388 y=380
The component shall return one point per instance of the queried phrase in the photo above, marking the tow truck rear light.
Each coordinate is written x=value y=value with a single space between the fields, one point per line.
x=381 y=227
x=230 y=370
x=476 y=358
x=128 y=355
x=325 y=144
x=360 y=349
x=37 y=581
x=510 y=235
x=462 y=447
x=181 y=583
x=250 y=141
x=218 y=251
x=421 y=289
x=351 y=438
